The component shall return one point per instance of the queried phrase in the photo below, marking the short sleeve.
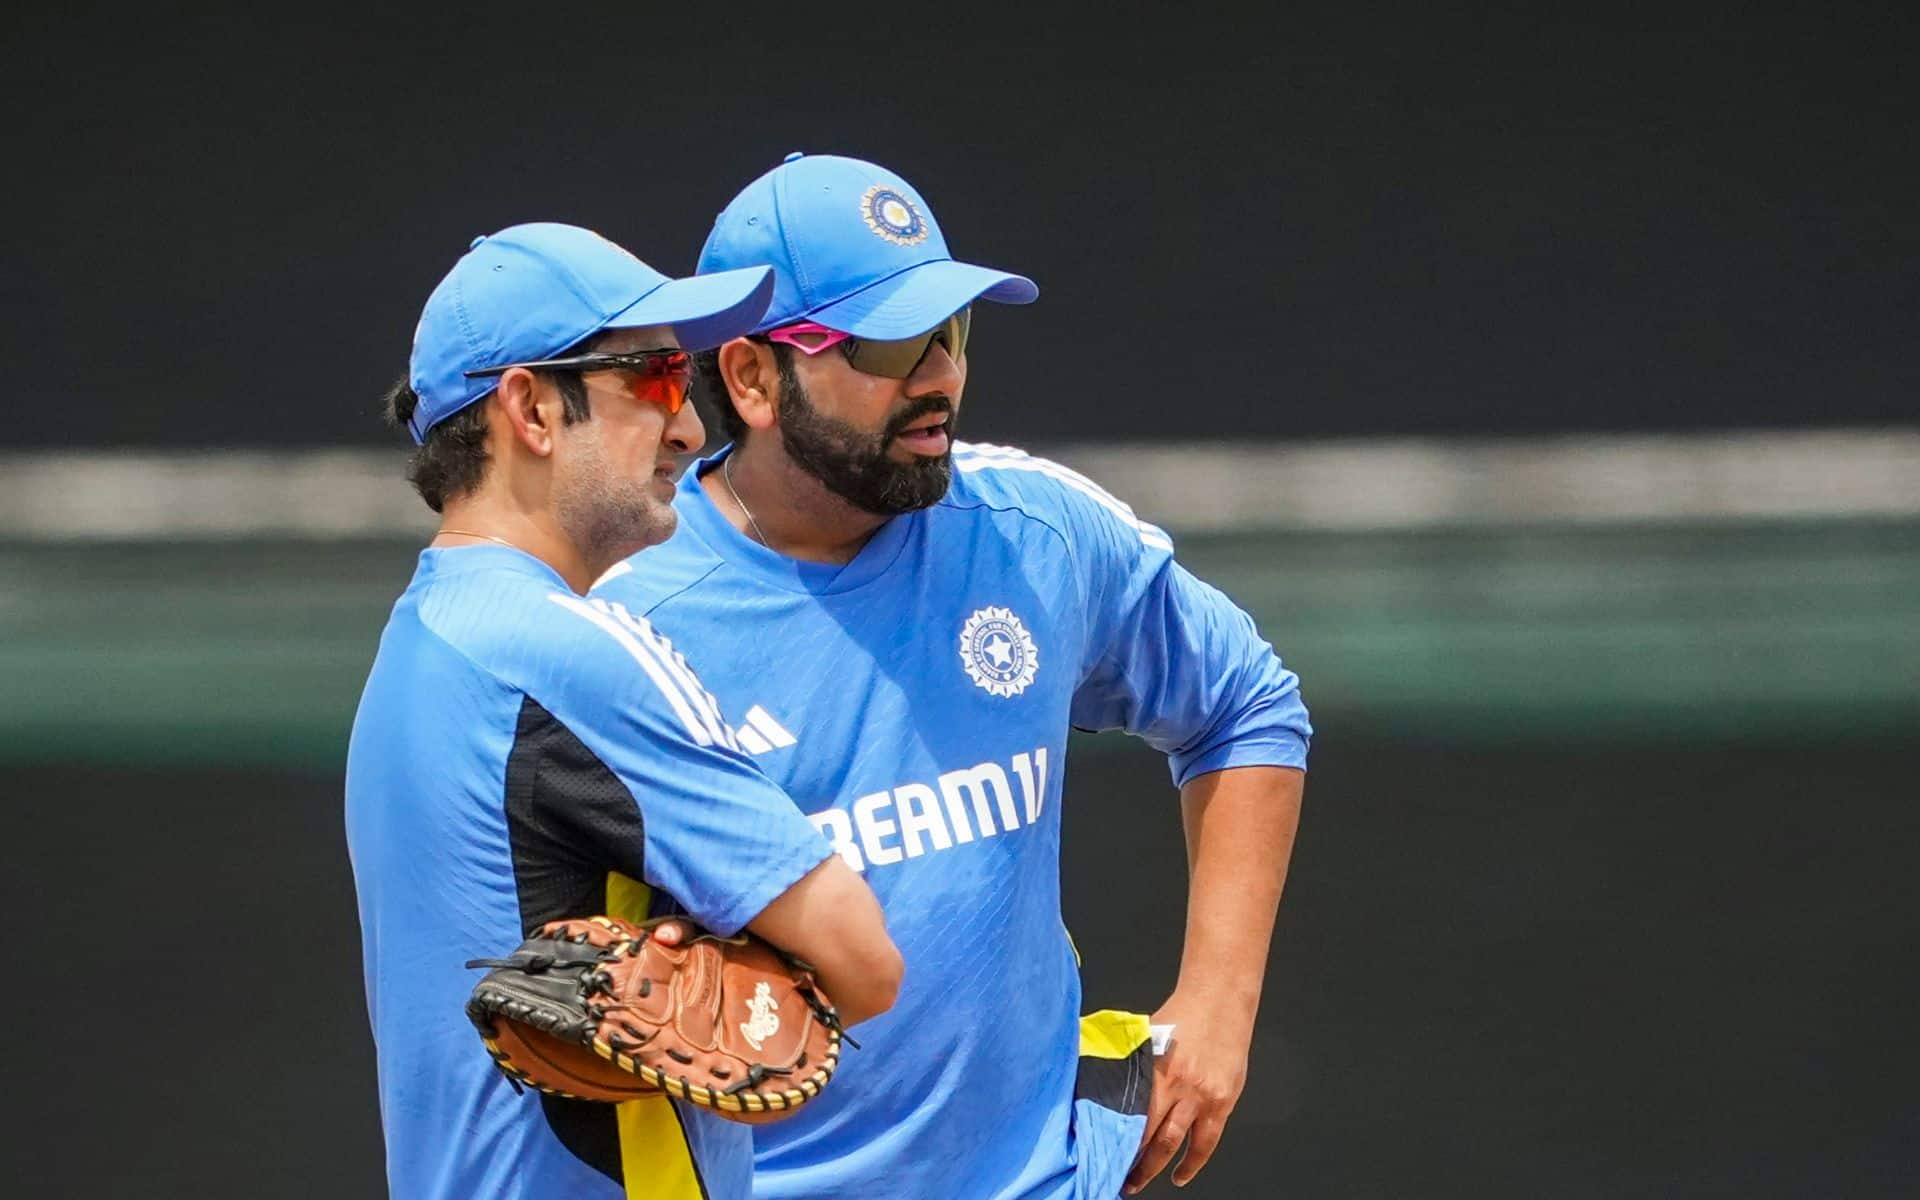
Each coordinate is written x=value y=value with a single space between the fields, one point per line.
x=719 y=836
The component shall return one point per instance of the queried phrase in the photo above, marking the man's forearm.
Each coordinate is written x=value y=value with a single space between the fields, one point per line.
x=1240 y=826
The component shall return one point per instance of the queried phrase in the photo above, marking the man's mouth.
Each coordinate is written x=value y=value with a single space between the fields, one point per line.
x=928 y=435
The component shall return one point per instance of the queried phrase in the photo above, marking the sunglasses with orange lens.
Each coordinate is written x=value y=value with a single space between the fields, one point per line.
x=653 y=376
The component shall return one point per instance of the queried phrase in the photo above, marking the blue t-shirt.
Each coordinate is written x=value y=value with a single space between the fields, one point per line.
x=522 y=754
x=916 y=702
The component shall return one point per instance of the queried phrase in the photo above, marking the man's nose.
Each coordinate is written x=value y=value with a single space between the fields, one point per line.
x=685 y=432
x=937 y=374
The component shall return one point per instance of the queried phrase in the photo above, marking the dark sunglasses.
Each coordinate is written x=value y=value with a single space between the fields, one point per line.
x=653 y=376
x=894 y=358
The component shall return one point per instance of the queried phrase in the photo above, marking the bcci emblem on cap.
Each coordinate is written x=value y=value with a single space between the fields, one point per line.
x=892 y=216
x=998 y=652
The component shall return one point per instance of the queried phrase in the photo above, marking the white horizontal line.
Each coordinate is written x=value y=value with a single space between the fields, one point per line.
x=1201 y=487
x=1402 y=484
x=207 y=494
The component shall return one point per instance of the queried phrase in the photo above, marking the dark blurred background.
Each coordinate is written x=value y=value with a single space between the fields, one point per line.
x=226 y=220
x=1544 y=387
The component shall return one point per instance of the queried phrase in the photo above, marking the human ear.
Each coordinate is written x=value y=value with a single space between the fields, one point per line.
x=748 y=370
x=531 y=412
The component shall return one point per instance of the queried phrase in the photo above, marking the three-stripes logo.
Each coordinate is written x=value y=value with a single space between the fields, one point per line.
x=761 y=734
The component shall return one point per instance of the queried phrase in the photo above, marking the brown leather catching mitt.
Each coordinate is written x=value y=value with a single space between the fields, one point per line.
x=596 y=1009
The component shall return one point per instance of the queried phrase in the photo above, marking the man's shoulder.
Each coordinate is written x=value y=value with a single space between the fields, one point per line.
x=591 y=661
x=530 y=633
x=1008 y=478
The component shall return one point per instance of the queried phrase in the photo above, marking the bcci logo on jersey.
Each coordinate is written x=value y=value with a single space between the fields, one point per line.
x=998 y=652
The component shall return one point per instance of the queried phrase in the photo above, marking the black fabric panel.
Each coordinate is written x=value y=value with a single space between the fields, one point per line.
x=1121 y=1084
x=569 y=821
x=589 y=1129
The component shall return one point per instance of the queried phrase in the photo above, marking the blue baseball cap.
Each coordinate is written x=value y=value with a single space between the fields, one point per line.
x=852 y=247
x=531 y=291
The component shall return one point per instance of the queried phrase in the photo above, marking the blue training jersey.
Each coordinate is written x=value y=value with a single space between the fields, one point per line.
x=522 y=754
x=916 y=703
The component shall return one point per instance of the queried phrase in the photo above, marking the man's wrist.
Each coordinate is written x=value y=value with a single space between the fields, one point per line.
x=1222 y=1011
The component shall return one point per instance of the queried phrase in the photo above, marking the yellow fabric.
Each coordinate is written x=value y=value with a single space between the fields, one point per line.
x=1110 y=1033
x=628 y=899
x=655 y=1160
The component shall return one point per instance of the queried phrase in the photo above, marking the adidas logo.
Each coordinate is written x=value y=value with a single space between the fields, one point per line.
x=761 y=734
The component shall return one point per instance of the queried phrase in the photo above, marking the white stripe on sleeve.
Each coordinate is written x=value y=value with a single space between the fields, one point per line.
x=986 y=457
x=645 y=658
x=677 y=669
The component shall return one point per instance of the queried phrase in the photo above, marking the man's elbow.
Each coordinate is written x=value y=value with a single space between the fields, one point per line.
x=871 y=984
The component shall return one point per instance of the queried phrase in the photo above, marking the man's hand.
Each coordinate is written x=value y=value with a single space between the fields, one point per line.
x=1196 y=1084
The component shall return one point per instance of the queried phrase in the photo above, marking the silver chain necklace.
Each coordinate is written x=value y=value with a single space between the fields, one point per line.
x=489 y=537
x=726 y=476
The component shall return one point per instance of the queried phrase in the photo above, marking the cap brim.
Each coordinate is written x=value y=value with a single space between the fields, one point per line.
x=706 y=309
x=921 y=297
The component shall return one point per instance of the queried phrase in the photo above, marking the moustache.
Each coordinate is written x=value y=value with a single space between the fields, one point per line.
x=924 y=406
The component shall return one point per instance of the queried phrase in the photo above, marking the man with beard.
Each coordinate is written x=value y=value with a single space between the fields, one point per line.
x=523 y=754
x=903 y=630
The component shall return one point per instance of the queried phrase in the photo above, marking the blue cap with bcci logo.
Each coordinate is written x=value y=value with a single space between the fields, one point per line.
x=852 y=247
x=530 y=291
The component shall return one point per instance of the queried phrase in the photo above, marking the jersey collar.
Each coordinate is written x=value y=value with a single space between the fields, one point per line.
x=700 y=517
x=458 y=560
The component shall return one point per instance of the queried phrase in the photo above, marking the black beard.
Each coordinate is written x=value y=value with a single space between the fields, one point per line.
x=854 y=465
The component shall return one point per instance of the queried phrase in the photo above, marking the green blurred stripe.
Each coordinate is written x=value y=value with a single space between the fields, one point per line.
x=254 y=652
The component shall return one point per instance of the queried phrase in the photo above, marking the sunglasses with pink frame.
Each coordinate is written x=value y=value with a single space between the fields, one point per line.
x=894 y=358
